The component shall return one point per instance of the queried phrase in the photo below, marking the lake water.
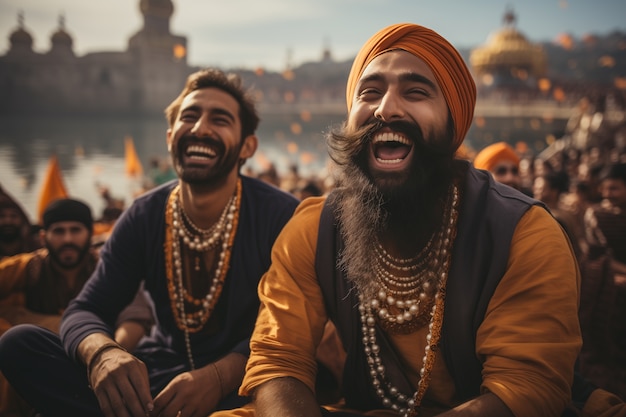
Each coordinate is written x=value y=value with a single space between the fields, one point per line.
x=91 y=150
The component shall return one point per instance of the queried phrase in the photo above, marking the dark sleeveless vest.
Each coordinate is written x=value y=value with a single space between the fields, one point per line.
x=489 y=214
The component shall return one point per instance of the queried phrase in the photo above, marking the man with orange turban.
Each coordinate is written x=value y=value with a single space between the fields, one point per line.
x=448 y=290
x=502 y=161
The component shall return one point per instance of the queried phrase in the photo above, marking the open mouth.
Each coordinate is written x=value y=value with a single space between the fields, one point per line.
x=391 y=148
x=200 y=152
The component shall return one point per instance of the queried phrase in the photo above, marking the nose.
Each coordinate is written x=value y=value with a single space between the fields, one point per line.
x=67 y=236
x=202 y=127
x=389 y=108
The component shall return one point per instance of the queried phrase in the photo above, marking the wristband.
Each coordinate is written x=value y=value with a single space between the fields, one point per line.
x=219 y=380
x=98 y=352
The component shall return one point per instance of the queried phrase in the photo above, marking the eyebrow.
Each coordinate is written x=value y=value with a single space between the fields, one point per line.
x=212 y=110
x=404 y=77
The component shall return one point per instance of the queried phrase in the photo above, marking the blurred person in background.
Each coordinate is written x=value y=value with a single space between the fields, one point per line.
x=605 y=229
x=36 y=287
x=501 y=160
x=17 y=235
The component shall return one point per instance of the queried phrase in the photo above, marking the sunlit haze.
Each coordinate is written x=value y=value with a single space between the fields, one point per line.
x=275 y=33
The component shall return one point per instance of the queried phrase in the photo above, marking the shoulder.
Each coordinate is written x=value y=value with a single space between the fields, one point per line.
x=156 y=195
x=482 y=189
x=148 y=206
x=262 y=200
x=260 y=190
x=311 y=208
x=297 y=242
x=306 y=219
x=22 y=258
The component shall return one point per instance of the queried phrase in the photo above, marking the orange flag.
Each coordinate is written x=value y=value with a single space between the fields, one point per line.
x=133 y=164
x=52 y=188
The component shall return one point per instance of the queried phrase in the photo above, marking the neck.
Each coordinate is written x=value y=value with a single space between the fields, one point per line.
x=204 y=205
x=69 y=274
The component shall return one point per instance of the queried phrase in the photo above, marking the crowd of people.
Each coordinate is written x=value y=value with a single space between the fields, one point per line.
x=421 y=280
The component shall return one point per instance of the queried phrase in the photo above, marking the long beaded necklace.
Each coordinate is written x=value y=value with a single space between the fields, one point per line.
x=430 y=284
x=191 y=313
x=198 y=239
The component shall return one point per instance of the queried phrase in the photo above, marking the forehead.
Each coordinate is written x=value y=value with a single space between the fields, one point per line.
x=504 y=163
x=9 y=211
x=397 y=63
x=614 y=182
x=210 y=98
x=66 y=225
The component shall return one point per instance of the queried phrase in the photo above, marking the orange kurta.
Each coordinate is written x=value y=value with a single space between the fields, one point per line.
x=13 y=309
x=529 y=340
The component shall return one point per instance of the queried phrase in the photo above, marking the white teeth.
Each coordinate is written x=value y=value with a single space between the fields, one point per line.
x=197 y=149
x=391 y=137
x=388 y=161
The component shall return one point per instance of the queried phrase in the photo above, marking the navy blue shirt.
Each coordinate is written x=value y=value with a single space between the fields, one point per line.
x=135 y=253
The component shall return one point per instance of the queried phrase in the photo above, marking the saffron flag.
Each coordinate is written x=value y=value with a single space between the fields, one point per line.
x=133 y=164
x=52 y=188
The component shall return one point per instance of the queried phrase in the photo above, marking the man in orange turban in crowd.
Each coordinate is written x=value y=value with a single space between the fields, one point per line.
x=502 y=161
x=449 y=291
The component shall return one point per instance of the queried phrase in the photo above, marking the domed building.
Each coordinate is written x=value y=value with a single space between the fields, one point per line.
x=508 y=61
x=20 y=40
x=61 y=41
x=139 y=81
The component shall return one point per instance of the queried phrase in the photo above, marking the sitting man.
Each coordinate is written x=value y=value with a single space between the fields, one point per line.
x=605 y=228
x=200 y=245
x=16 y=231
x=453 y=294
x=36 y=287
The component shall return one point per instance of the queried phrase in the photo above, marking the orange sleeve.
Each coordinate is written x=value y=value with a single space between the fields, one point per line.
x=13 y=274
x=530 y=337
x=292 y=316
x=13 y=309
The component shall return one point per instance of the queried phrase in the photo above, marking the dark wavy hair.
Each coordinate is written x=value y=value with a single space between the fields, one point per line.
x=228 y=82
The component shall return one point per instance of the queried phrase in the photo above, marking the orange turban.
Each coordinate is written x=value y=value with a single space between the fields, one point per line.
x=493 y=154
x=450 y=70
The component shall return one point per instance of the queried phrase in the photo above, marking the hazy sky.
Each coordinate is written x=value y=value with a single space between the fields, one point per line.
x=253 y=33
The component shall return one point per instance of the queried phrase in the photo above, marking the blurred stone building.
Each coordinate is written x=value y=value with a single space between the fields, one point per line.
x=139 y=81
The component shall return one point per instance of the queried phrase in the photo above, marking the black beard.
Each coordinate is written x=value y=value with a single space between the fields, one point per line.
x=401 y=194
x=217 y=174
x=64 y=265
x=409 y=211
x=9 y=233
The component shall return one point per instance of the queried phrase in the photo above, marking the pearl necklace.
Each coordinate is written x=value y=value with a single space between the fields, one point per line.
x=199 y=239
x=190 y=313
x=370 y=310
x=408 y=286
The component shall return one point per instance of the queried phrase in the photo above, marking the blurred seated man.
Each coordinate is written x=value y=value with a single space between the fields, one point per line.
x=549 y=188
x=36 y=287
x=16 y=235
x=605 y=229
x=501 y=160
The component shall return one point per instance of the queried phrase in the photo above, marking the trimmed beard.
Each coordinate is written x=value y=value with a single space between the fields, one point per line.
x=405 y=210
x=82 y=253
x=215 y=175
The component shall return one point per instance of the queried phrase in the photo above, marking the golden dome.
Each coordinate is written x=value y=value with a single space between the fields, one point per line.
x=508 y=49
